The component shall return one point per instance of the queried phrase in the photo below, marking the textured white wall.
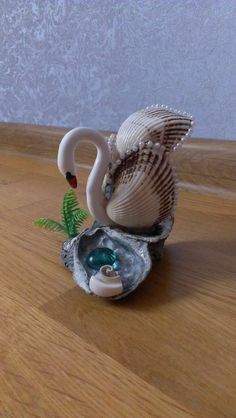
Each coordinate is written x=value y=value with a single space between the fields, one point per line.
x=93 y=62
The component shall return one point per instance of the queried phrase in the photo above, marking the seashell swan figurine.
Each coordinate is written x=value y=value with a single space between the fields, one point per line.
x=132 y=183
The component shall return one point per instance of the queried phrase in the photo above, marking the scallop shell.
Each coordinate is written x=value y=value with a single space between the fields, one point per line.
x=156 y=123
x=144 y=189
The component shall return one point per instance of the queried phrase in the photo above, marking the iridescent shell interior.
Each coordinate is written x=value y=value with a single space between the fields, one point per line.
x=134 y=253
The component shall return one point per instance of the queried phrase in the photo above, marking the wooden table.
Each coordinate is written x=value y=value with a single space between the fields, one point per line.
x=168 y=350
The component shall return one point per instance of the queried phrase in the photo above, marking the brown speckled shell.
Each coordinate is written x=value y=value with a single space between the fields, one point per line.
x=156 y=124
x=144 y=190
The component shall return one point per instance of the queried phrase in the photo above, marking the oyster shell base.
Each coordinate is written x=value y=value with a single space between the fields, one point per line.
x=136 y=252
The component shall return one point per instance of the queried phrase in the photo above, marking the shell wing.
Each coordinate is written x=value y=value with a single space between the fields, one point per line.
x=144 y=189
x=158 y=124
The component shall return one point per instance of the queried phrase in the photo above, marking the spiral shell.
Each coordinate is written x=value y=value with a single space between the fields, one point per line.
x=144 y=189
x=157 y=124
x=106 y=282
x=107 y=271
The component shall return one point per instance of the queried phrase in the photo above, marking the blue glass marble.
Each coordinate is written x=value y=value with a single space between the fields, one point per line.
x=116 y=265
x=101 y=256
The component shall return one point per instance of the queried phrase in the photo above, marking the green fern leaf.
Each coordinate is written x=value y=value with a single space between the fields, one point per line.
x=72 y=215
x=79 y=216
x=68 y=207
x=49 y=224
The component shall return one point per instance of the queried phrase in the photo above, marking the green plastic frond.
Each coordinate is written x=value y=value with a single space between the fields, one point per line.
x=79 y=217
x=49 y=224
x=68 y=207
x=72 y=215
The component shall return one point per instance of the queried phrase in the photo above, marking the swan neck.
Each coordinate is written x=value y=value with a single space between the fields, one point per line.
x=95 y=197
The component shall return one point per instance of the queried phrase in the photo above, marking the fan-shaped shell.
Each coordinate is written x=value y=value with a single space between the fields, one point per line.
x=144 y=189
x=156 y=123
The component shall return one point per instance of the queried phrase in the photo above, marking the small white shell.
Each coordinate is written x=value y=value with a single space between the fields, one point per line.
x=106 y=283
x=155 y=124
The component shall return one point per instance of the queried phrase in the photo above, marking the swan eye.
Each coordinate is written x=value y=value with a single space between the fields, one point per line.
x=72 y=180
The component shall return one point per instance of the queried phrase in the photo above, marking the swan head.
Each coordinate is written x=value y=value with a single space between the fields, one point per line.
x=66 y=160
x=72 y=180
x=66 y=152
x=67 y=172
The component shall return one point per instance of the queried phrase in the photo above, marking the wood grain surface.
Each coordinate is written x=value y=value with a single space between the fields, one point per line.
x=166 y=351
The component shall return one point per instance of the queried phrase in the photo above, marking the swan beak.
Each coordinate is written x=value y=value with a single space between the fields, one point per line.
x=72 y=180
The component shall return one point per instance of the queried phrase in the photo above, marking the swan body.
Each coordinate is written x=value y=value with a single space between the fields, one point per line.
x=132 y=183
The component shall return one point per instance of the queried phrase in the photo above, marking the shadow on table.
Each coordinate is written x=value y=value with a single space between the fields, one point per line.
x=185 y=268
